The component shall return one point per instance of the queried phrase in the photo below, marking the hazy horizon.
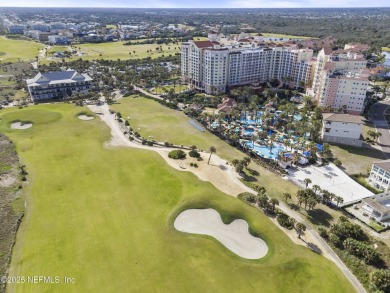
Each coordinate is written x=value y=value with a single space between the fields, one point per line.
x=217 y=4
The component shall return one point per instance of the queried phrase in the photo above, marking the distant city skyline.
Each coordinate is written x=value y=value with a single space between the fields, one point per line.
x=200 y=4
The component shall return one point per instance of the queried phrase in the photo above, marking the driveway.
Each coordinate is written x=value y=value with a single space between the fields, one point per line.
x=377 y=117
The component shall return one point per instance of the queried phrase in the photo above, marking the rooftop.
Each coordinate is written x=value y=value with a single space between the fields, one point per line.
x=380 y=205
x=342 y=118
x=203 y=44
x=56 y=77
x=385 y=164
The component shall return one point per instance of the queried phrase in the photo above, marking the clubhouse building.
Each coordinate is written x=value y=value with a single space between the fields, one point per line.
x=58 y=85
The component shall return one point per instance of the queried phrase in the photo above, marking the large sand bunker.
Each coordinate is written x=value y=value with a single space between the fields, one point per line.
x=85 y=117
x=21 y=125
x=234 y=236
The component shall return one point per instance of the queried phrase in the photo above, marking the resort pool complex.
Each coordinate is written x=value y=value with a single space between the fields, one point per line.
x=264 y=150
x=249 y=121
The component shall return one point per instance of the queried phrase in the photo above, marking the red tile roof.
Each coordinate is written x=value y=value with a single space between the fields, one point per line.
x=327 y=50
x=203 y=44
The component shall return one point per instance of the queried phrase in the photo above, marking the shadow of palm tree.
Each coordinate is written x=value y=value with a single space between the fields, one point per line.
x=319 y=217
x=314 y=247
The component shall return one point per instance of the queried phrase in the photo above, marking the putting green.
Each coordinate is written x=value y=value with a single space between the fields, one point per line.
x=105 y=218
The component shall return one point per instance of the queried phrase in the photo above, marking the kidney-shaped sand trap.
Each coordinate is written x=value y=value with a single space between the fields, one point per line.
x=20 y=125
x=235 y=236
x=85 y=117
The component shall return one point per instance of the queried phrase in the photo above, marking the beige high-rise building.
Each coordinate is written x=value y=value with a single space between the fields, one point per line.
x=214 y=67
x=340 y=81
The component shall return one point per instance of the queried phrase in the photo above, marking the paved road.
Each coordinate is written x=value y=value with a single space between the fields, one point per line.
x=147 y=93
x=377 y=117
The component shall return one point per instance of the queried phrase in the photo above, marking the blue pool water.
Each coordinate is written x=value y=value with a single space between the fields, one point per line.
x=250 y=121
x=248 y=131
x=297 y=117
x=264 y=151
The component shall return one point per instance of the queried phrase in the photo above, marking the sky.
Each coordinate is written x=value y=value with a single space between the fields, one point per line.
x=197 y=3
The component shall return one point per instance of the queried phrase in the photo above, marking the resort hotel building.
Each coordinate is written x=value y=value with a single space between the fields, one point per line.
x=336 y=79
x=58 y=85
x=340 y=80
x=214 y=66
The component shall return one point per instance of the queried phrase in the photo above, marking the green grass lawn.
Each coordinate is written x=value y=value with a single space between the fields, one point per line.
x=55 y=49
x=13 y=94
x=356 y=160
x=18 y=49
x=6 y=81
x=178 y=88
x=115 y=50
x=105 y=217
x=165 y=124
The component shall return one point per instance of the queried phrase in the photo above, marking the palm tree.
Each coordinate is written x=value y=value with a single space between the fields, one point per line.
x=262 y=200
x=246 y=161
x=287 y=196
x=239 y=167
x=300 y=228
x=316 y=188
x=254 y=138
x=307 y=181
x=211 y=150
x=338 y=200
x=274 y=202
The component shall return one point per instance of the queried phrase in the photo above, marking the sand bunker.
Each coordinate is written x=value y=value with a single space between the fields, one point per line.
x=85 y=117
x=234 y=236
x=20 y=125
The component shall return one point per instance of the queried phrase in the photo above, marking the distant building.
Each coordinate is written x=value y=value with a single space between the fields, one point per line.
x=39 y=26
x=58 y=40
x=342 y=129
x=378 y=207
x=58 y=85
x=55 y=26
x=380 y=175
x=38 y=35
x=16 y=29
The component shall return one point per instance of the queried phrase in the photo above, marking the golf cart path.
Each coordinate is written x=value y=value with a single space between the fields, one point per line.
x=227 y=182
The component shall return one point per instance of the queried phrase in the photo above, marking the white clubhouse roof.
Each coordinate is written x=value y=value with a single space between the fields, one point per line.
x=68 y=76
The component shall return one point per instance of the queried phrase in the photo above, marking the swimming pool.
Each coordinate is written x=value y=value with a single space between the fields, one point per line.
x=248 y=131
x=264 y=151
x=246 y=120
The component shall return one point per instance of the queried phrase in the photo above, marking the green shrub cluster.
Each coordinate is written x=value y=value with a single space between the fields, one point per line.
x=177 y=154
